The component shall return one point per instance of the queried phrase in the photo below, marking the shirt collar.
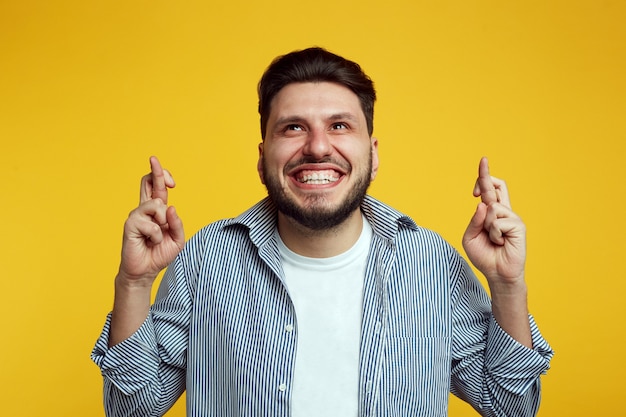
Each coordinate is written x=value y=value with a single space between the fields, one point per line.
x=260 y=219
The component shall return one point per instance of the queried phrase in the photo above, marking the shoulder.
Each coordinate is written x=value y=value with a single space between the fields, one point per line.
x=255 y=225
x=391 y=224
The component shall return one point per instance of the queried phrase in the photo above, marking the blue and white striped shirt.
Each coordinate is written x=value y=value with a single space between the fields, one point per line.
x=223 y=327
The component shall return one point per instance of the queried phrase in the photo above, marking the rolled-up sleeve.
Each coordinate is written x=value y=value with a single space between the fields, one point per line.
x=492 y=371
x=145 y=374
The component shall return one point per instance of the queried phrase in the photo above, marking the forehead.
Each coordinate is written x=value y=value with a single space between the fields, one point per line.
x=314 y=98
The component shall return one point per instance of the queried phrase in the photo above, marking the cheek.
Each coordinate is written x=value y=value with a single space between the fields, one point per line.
x=357 y=156
x=276 y=158
x=270 y=166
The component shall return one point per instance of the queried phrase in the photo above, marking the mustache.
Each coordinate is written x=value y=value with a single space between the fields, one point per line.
x=307 y=160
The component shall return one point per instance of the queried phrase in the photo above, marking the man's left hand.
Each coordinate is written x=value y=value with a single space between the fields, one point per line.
x=495 y=240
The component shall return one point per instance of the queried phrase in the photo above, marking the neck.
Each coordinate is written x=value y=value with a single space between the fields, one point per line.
x=320 y=243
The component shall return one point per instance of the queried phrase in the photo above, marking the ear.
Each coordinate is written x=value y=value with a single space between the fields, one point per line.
x=374 y=146
x=259 y=164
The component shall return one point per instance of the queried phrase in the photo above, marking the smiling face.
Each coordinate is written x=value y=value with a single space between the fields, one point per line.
x=317 y=159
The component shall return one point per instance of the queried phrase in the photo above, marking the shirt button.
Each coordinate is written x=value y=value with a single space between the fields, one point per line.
x=289 y=328
x=377 y=328
x=282 y=387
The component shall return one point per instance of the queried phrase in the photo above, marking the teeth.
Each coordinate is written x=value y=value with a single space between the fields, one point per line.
x=317 y=179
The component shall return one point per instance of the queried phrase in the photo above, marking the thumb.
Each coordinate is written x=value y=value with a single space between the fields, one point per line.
x=476 y=224
x=175 y=226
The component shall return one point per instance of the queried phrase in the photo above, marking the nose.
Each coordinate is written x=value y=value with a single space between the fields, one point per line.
x=317 y=144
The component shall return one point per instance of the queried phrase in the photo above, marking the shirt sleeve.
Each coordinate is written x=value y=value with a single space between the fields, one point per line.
x=144 y=375
x=496 y=374
x=517 y=365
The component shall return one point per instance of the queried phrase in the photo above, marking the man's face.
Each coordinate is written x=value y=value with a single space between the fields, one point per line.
x=317 y=159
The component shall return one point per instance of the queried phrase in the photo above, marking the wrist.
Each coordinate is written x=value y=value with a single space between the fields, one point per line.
x=509 y=300
x=132 y=293
x=507 y=284
x=124 y=281
x=508 y=289
x=509 y=304
x=131 y=306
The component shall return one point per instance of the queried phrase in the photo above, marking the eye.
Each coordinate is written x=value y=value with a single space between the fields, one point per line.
x=294 y=128
x=339 y=126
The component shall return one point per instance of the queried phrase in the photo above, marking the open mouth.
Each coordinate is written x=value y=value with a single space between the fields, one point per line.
x=317 y=177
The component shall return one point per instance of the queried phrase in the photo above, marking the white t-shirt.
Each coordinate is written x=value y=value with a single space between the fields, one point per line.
x=328 y=297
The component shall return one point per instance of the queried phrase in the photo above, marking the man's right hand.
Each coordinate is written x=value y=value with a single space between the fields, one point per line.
x=153 y=232
x=153 y=236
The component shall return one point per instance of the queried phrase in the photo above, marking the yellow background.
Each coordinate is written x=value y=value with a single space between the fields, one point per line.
x=89 y=90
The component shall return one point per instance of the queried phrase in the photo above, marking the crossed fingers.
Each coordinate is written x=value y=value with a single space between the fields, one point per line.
x=155 y=184
x=490 y=189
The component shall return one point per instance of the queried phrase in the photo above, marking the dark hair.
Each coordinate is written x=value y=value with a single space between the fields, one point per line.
x=315 y=65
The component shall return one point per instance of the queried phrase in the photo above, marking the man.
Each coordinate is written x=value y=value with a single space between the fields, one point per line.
x=320 y=300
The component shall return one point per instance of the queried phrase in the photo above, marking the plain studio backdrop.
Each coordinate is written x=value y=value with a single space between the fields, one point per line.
x=89 y=90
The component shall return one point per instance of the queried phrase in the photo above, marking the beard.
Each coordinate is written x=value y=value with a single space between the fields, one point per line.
x=317 y=213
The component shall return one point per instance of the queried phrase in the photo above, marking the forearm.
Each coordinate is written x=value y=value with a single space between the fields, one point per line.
x=130 y=308
x=510 y=310
x=503 y=379
x=493 y=367
x=137 y=380
x=144 y=372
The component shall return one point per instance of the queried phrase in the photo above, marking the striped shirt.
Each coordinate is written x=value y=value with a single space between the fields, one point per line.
x=223 y=327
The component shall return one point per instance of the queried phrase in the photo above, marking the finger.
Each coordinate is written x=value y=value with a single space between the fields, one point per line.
x=157 y=180
x=152 y=210
x=493 y=225
x=504 y=229
x=144 y=229
x=499 y=211
x=502 y=191
x=502 y=223
x=490 y=188
x=485 y=187
x=476 y=224
x=496 y=235
x=175 y=226
x=145 y=190
x=156 y=183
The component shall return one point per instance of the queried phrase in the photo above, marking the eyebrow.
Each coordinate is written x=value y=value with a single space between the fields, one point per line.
x=299 y=119
x=343 y=116
x=288 y=120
